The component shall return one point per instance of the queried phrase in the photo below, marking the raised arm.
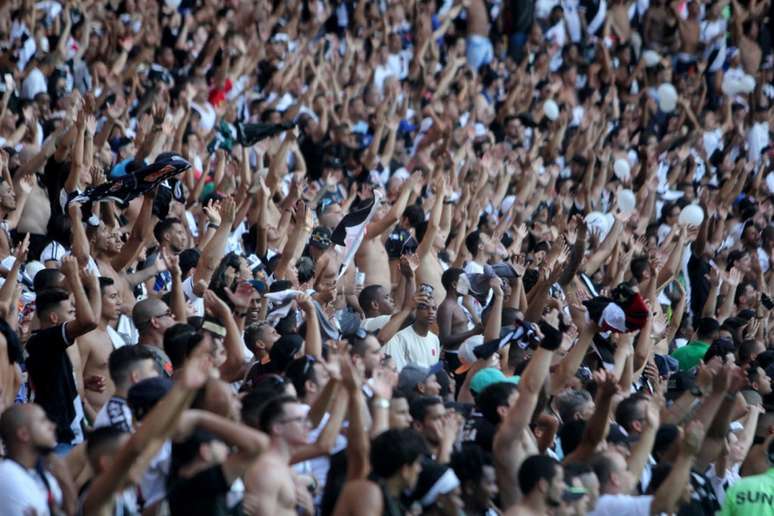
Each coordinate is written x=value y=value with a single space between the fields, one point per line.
x=155 y=428
x=234 y=367
x=85 y=318
x=313 y=337
x=516 y=422
x=141 y=227
x=434 y=223
x=378 y=227
x=597 y=425
x=671 y=489
x=215 y=248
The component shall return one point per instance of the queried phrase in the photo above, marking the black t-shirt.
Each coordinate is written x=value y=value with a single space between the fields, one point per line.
x=480 y=431
x=53 y=380
x=698 y=267
x=204 y=494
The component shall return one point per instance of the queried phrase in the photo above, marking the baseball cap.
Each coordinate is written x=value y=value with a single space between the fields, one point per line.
x=613 y=318
x=144 y=395
x=414 y=374
x=465 y=353
x=489 y=375
x=321 y=238
x=573 y=493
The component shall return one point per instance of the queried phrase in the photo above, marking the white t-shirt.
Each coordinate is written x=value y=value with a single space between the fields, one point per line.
x=23 y=491
x=406 y=347
x=622 y=505
x=375 y=323
x=116 y=413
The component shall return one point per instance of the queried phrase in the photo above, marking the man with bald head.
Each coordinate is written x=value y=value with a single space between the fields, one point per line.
x=152 y=317
x=25 y=485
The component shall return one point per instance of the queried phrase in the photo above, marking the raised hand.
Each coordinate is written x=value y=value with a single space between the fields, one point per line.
x=383 y=382
x=242 y=296
x=215 y=305
x=22 y=248
x=693 y=437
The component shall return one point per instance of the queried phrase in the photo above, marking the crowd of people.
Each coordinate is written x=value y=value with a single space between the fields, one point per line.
x=428 y=257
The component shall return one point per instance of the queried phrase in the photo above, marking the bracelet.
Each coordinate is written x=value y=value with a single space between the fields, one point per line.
x=213 y=226
x=381 y=403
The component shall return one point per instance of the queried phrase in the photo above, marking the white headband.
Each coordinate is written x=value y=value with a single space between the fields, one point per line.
x=446 y=484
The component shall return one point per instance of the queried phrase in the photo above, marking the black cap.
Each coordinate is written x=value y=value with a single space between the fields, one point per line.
x=144 y=395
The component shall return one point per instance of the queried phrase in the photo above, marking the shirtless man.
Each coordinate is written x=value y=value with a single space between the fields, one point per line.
x=479 y=47
x=689 y=32
x=95 y=348
x=372 y=258
x=454 y=325
x=284 y=419
x=745 y=30
x=430 y=269
x=12 y=202
x=37 y=211
x=103 y=250
x=619 y=20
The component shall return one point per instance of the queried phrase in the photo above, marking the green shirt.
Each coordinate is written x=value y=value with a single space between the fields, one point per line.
x=691 y=354
x=751 y=496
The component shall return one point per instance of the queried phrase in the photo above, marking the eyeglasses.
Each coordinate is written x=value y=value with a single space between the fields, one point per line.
x=168 y=313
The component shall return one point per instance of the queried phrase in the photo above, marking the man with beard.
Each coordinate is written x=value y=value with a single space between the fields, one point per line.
x=100 y=247
x=541 y=480
x=95 y=347
x=25 y=485
x=172 y=240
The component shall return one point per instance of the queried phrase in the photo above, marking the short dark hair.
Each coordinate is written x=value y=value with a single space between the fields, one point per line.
x=706 y=328
x=603 y=467
x=415 y=215
x=535 y=469
x=451 y=276
x=638 y=266
x=627 y=411
x=272 y=411
x=299 y=371
x=46 y=279
x=719 y=348
x=163 y=226
x=179 y=341
x=102 y=440
x=368 y=295
x=494 y=397
x=468 y=463
x=395 y=448
x=49 y=299
x=746 y=350
x=420 y=405
x=105 y=282
x=122 y=360
x=472 y=241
